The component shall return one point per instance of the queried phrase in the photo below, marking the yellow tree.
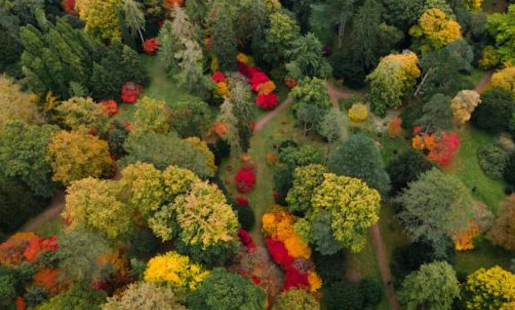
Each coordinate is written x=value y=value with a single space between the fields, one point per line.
x=434 y=31
x=202 y=147
x=492 y=288
x=76 y=155
x=504 y=79
x=78 y=111
x=474 y=5
x=100 y=17
x=463 y=105
x=151 y=116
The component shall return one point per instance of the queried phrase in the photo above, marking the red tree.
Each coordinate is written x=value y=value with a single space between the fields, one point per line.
x=445 y=149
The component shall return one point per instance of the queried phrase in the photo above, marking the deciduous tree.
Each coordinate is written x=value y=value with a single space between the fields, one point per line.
x=77 y=112
x=148 y=295
x=492 y=288
x=463 y=105
x=305 y=180
x=495 y=114
x=295 y=299
x=504 y=79
x=406 y=168
x=17 y=105
x=499 y=26
x=434 y=30
x=437 y=114
x=151 y=116
x=502 y=232
x=100 y=17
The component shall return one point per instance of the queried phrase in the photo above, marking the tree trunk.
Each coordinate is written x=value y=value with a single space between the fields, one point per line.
x=141 y=36
x=341 y=30
x=423 y=81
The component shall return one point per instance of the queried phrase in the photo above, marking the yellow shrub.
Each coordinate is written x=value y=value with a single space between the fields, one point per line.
x=358 y=113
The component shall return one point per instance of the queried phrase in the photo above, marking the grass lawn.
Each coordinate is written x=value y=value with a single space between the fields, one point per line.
x=484 y=255
x=466 y=167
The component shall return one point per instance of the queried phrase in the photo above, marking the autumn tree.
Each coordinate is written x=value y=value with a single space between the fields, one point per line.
x=22 y=156
x=359 y=157
x=305 y=180
x=17 y=105
x=151 y=116
x=434 y=31
x=435 y=206
x=499 y=26
x=463 y=105
x=434 y=286
x=406 y=168
x=502 y=232
x=76 y=155
x=395 y=75
x=226 y=290
x=96 y=205
x=504 y=79
x=492 y=288
x=77 y=112
x=295 y=299
x=149 y=295
x=191 y=117
x=100 y=17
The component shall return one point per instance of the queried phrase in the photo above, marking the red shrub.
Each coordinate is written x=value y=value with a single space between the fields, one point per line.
x=290 y=83
x=150 y=46
x=278 y=252
x=445 y=149
x=20 y=303
x=267 y=102
x=218 y=77
x=246 y=239
x=38 y=245
x=49 y=279
x=111 y=107
x=11 y=251
x=69 y=7
x=127 y=125
x=245 y=179
x=295 y=279
x=257 y=79
x=242 y=201
x=131 y=92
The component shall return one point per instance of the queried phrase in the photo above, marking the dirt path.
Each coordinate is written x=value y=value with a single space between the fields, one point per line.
x=270 y=116
x=56 y=207
x=480 y=87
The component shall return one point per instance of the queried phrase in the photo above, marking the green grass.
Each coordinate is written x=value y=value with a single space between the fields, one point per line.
x=484 y=255
x=466 y=167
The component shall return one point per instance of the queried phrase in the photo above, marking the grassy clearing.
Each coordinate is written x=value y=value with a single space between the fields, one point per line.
x=466 y=167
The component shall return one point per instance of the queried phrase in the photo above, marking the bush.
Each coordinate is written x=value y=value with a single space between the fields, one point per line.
x=495 y=112
x=221 y=149
x=330 y=267
x=493 y=159
x=35 y=295
x=342 y=295
x=372 y=291
x=246 y=216
x=411 y=114
x=358 y=113
x=407 y=167
x=245 y=179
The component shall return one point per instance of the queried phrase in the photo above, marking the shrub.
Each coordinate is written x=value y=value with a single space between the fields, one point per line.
x=342 y=295
x=495 y=112
x=221 y=149
x=358 y=113
x=330 y=267
x=372 y=291
x=245 y=179
x=493 y=159
x=246 y=216
x=35 y=295
x=150 y=46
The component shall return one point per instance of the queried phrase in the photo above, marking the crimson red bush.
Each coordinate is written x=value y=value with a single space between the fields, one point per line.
x=267 y=102
x=150 y=46
x=245 y=179
x=131 y=92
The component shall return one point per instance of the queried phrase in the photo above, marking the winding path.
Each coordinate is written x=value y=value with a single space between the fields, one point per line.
x=56 y=207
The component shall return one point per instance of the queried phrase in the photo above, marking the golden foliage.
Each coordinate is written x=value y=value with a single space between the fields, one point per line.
x=100 y=17
x=492 y=288
x=504 y=79
x=435 y=30
x=16 y=105
x=358 y=113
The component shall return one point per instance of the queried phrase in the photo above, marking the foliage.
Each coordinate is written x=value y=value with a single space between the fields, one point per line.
x=499 y=26
x=151 y=116
x=295 y=299
x=496 y=111
x=22 y=156
x=435 y=286
x=440 y=147
x=12 y=250
x=359 y=157
x=191 y=117
x=77 y=112
x=394 y=76
x=493 y=159
x=117 y=135
x=311 y=91
x=395 y=127
x=76 y=155
x=281 y=34
x=463 y=105
x=163 y=150
x=352 y=206
x=358 y=112
x=504 y=79
x=406 y=168
x=437 y=114
x=306 y=59
x=225 y=290
x=492 y=288
x=434 y=30
x=131 y=92
x=344 y=295
x=489 y=58
x=78 y=298
x=245 y=179
x=305 y=180
x=332 y=126
x=100 y=17
x=223 y=35
x=151 y=46
x=435 y=206
x=331 y=268
x=17 y=105
x=146 y=295
x=372 y=291
x=175 y=270
x=502 y=232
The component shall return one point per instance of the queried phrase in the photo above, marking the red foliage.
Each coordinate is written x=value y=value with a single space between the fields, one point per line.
x=49 y=279
x=255 y=280
x=20 y=303
x=170 y=4
x=150 y=46
x=267 y=102
x=131 y=92
x=257 y=79
x=218 y=77
x=295 y=278
x=417 y=129
x=394 y=129
x=245 y=179
x=69 y=7
x=11 y=251
x=242 y=201
x=38 y=245
x=277 y=195
x=445 y=149
x=290 y=83
x=246 y=239
x=127 y=125
x=278 y=252
x=111 y=107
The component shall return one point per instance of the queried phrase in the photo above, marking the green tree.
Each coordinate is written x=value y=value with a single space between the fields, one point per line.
x=223 y=290
x=332 y=127
x=296 y=299
x=242 y=109
x=403 y=13
x=77 y=298
x=77 y=112
x=305 y=180
x=306 y=59
x=437 y=114
x=308 y=118
x=434 y=286
x=311 y=91
x=326 y=15
x=191 y=117
x=22 y=156
x=434 y=207
x=406 y=168
x=279 y=37
x=223 y=34
x=499 y=26
x=151 y=116
x=147 y=295
x=360 y=158
x=495 y=114
x=134 y=18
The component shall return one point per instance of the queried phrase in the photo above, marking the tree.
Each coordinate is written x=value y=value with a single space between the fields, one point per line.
x=437 y=114
x=190 y=65
x=395 y=75
x=326 y=15
x=226 y=290
x=344 y=295
x=496 y=111
x=305 y=180
x=306 y=59
x=359 y=157
x=22 y=156
x=148 y=295
x=308 y=117
x=434 y=286
x=76 y=155
x=434 y=31
x=279 y=37
x=403 y=13
x=311 y=91
x=349 y=224
x=163 y=150
x=230 y=123
x=151 y=116
x=79 y=298
x=134 y=18
x=502 y=232
x=16 y=105
x=492 y=288
x=223 y=34
x=95 y=205
x=442 y=5
x=504 y=79
x=242 y=109
x=406 y=168
x=499 y=26
x=332 y=127
x=100 y=17
x=463 y=105
x=191 y=117
x=77 y=112
x=296 y=299
x=435 y=206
